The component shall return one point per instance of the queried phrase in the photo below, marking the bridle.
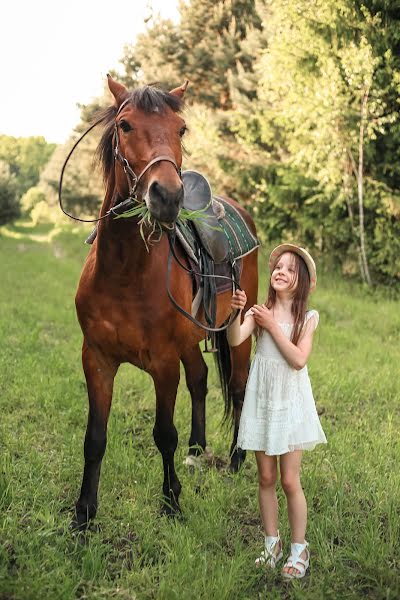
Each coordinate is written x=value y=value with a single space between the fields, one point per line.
x=132 y=179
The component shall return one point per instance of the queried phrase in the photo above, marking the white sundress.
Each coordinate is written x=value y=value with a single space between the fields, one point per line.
x=279 y=413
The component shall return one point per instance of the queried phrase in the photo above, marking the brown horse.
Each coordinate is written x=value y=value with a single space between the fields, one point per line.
x=122 y=302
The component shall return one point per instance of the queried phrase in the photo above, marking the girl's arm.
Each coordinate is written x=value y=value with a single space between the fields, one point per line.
x=296 y=356
x=237 y=332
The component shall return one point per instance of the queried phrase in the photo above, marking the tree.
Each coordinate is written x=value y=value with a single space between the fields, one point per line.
x=321 y=104
x=204 y=47
x=83 y=188
x=26 y=158
x=9 y=206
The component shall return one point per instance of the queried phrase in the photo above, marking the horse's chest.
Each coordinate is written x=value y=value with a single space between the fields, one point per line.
x=125 y=336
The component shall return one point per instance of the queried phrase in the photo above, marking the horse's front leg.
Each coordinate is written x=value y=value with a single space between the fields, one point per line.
x=100 y=372
x=166 y=379
x=196 y=379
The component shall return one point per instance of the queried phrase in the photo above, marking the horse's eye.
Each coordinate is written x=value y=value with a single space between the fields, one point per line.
x=182 y=131
x=124 y=125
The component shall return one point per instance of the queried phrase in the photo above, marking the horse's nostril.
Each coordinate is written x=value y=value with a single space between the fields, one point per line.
x=158 y=192
x=154 y=189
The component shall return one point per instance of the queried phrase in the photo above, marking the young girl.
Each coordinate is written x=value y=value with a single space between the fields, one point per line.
x=279 y=418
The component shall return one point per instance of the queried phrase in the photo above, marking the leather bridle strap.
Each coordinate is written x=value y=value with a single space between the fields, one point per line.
x=172 y=253
x=132 y=178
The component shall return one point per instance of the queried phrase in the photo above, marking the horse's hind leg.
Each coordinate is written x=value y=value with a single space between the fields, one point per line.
x=166 y=379
x=99 y=373
x=196 y=379
x=240 y=357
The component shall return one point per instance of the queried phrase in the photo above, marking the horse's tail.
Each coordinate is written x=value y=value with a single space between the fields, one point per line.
x=224 y=365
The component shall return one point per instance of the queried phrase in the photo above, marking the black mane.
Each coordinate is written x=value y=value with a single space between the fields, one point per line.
x=148 y=99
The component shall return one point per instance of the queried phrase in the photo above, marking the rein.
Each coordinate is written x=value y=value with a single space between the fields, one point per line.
x=172 y=253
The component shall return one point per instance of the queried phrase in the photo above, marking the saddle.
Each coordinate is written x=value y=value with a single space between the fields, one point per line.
x=215 y=242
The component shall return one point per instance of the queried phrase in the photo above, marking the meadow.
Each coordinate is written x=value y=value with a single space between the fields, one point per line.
x=352 y=484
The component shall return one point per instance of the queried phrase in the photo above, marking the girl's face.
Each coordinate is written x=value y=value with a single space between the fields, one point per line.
x=284 y=275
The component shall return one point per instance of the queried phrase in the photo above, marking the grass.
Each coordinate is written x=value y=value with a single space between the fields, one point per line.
x=352 y=484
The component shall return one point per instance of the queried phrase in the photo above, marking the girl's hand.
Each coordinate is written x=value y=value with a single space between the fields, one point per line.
x=263 y=316
x=239 y=300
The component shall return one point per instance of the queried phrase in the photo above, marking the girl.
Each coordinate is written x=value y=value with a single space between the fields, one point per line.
x=279 y=418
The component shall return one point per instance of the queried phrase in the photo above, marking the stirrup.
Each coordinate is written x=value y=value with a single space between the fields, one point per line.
x=295 y=562
x=267 y=556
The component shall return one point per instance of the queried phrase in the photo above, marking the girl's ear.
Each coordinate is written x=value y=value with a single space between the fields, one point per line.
x=118 y=90
x=180 y=91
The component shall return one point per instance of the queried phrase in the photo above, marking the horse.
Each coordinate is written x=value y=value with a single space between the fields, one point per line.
x=121 y=304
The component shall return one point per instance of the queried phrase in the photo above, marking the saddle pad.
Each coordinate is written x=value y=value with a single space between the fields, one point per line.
x=240 y=239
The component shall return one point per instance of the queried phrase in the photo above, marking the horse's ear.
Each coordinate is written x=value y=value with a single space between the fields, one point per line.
x=180 y=91
x=118 y=90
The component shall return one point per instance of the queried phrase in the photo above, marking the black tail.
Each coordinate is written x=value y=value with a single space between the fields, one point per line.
x=224 y=365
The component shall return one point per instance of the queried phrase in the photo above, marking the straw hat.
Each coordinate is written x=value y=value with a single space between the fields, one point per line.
x=306 y=256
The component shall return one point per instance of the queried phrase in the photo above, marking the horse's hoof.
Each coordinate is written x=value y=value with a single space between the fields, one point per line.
x=81 y=523
x=237 y=461
x=78 y=526
x=171 y=509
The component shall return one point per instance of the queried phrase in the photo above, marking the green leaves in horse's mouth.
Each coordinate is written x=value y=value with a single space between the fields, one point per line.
x=147 y=221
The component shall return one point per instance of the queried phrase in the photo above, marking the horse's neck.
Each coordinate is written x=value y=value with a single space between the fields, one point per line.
x=120 y=249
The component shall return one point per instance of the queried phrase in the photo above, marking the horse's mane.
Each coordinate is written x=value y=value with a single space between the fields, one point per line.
x=148 y=99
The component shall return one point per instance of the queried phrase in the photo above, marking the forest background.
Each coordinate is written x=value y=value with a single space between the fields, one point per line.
x=293 y=109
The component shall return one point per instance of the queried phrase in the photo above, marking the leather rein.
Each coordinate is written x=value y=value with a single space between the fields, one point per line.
x=133 y=182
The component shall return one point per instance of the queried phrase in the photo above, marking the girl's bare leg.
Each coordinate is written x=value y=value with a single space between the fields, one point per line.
x=268 y=501
x=290 y=466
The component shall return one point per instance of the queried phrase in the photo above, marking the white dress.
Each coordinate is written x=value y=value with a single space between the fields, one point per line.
x=279 y=413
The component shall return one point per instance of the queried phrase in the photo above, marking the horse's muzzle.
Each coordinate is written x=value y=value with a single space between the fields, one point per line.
x=164 y=203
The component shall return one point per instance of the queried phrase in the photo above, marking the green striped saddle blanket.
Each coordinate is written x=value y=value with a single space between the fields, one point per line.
x=226 y=237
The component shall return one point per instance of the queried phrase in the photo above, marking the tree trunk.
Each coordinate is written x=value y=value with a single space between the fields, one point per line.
x=358 y=171
x=360 y=185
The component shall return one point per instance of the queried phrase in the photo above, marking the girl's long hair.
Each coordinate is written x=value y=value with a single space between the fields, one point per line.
x=300 y=297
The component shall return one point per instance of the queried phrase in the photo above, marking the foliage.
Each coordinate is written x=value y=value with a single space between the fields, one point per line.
x=9 y=206
x=204 y=48
x=293 y=109
x=26 y=158
x=328 y=77
x=32 y=197
x=83 y=188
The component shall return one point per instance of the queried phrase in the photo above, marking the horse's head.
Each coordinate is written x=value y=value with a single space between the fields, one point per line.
x=146 y=137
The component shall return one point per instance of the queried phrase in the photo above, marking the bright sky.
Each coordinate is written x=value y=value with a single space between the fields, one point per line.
x=56 y=53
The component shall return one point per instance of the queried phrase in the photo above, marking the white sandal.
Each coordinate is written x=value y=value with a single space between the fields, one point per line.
x=295 y=562
x=268 y=556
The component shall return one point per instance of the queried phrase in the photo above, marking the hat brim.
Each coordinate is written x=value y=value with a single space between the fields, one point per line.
x=306 y=256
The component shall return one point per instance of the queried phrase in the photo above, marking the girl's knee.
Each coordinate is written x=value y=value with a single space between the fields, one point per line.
x=290 y=483
x=267 y=478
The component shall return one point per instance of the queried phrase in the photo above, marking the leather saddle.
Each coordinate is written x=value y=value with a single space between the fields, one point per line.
x=198 y=198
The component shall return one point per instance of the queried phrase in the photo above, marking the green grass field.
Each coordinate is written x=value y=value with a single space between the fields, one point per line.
x=352 y=485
